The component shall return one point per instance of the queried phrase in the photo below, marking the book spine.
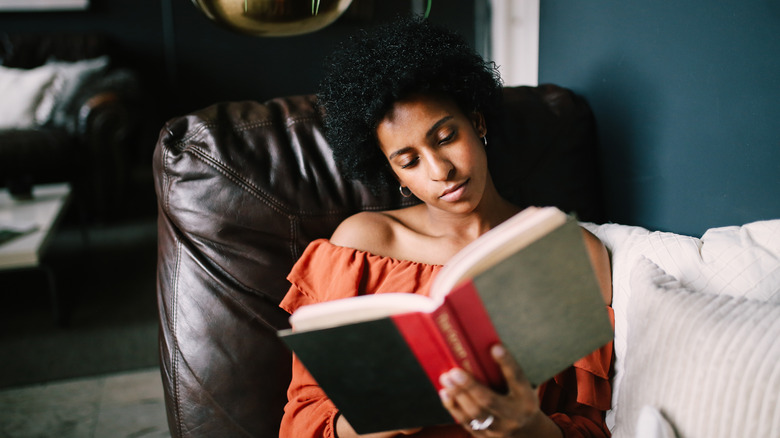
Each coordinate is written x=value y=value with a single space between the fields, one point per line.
x=426 y=343
x=467 y=311
x=454 y=334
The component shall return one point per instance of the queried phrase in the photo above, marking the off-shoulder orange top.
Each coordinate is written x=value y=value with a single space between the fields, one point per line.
x=575 y=399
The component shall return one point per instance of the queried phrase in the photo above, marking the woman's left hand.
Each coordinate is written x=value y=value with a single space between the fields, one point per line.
x=486 y=413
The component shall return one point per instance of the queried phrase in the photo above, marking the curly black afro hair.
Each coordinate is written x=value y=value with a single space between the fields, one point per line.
x=372 y=71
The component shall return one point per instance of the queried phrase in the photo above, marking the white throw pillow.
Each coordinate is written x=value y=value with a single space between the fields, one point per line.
x=652 y=424
x=742 y=261
x=21 y=91
x=69 y=78
x=710 y=363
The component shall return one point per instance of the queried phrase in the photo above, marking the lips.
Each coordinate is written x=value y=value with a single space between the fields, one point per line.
x=453 y=193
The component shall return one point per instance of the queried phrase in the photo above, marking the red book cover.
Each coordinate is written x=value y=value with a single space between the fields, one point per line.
x=458 y=334
x=426 y=343
x=478 y=329
x=440 y=343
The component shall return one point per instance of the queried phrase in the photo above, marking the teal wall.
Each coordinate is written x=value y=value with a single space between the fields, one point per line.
x=687 y=98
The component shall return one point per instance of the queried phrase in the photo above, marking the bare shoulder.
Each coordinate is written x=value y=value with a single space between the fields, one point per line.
x=368 y=231
x=599 y=257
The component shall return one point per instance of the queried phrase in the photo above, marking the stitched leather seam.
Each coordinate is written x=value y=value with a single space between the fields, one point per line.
x=176 y=351
x=208 y=125
x=174 y=298
x=244 y=126
x=295 y=120
x=293 y=236
x=256 y=316
x=218 y=407
x=183 y=145
x=253 y=290
x=165 y=157
x=256 y=191
x=167 y=187
x=225 y=170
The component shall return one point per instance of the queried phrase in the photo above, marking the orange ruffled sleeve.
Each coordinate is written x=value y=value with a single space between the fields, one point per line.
x=577 y=398
x=328 y=272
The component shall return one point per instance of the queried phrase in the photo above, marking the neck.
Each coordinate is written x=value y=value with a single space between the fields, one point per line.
x=466 y=227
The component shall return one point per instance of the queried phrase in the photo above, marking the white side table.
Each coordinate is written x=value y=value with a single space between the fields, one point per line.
x=41 y=213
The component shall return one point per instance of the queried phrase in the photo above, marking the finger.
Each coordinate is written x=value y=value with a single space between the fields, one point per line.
x=466 y=395
x=511 y=370
x=448 y=401
x=523 y=399
x=462 y=418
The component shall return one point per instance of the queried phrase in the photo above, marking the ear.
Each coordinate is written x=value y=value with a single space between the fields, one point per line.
x=478 y=122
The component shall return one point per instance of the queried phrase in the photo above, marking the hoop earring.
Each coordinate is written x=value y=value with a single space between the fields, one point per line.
x=484 y=139
x=406 y=193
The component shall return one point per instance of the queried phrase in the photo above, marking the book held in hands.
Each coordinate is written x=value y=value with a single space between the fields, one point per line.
x=527 y=283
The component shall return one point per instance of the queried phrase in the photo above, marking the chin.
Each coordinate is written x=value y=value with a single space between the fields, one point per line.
x=460 y=207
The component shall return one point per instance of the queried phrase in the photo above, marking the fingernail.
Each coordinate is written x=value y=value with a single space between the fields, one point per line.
x=445 y=380
x=498 y=351
x=458 y=376
x=444 y=395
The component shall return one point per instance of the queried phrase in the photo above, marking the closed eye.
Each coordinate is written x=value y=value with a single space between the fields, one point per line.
x=448 y=138
x=410 y=163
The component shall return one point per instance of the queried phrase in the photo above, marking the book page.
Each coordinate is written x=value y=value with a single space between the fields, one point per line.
x=497 y=244
x=358 y=309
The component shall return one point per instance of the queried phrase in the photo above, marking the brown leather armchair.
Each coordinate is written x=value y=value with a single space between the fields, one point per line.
x=243 y=187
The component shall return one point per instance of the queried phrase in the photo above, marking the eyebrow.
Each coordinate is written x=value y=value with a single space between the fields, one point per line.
x=430 y=132
x=437 y=124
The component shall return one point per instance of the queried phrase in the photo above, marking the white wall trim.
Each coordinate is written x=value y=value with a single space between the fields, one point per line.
x=515 y=40
x=32 y=5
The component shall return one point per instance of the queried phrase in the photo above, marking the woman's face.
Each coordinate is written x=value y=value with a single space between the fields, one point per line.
x=436 y=151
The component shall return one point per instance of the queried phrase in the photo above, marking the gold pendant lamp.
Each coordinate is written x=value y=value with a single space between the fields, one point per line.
x=273 y=17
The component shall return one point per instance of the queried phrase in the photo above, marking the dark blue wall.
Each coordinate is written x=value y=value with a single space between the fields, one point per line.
x=687 y=97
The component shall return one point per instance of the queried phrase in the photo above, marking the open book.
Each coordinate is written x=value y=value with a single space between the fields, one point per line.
x=527 y=283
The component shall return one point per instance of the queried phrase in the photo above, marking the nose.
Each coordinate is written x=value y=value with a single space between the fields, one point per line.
x=440 y=167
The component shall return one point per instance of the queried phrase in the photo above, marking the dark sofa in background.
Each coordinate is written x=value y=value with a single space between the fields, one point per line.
x=87 y=137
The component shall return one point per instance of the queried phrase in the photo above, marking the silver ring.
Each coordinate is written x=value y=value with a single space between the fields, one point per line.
x=482 y=425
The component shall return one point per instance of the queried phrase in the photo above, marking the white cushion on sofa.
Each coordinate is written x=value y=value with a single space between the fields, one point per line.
x=652 y=424
x=709 y=362
x=21 y=91
x=32 y=97
x=742 y=261
x=69 y=78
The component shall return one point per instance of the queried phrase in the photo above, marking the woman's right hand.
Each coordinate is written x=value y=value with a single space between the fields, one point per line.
x=514 y=414
x=345 y=430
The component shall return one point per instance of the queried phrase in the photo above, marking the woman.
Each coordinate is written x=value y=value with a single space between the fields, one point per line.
x=409 y=106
